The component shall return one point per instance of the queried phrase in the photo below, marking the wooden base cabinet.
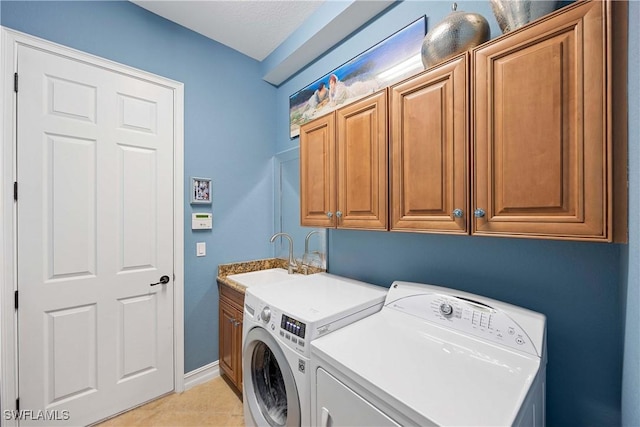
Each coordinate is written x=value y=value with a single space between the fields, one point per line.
x=542 y=117
x=343 y=167
x=230 y=333
x=429 y=150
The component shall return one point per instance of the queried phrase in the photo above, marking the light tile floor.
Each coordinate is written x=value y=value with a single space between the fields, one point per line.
x=211 y=404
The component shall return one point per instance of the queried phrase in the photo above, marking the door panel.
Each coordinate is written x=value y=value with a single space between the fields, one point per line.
x=71 y=99
x=226 y=319
x=429 y=150
x=237 y=350
x=137 y=169
x=71 y=353
x=523 y=147
x=317 y=173
x=138 y=336
x=69 y=173
x=539 y=105
x=137 y=114
x=362 y=156
x=95 y=229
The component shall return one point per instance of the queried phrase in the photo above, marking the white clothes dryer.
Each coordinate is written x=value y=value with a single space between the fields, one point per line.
x=433 y=357
x=280 y=322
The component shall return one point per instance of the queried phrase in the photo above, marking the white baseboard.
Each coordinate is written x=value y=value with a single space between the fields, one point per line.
x=201 y=375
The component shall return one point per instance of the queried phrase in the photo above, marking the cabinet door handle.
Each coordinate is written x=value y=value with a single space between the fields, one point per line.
x=458 y=213
x=329 y=214
x=479 y=213
x=339 y=214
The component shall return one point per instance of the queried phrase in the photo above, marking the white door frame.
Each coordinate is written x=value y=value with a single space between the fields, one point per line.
x=9 y=42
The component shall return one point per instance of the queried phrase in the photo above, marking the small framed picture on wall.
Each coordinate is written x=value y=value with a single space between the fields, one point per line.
x=200 y=190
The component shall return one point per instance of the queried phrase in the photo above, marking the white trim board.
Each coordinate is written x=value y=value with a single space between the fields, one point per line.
x=201 y=375
x=9 y=42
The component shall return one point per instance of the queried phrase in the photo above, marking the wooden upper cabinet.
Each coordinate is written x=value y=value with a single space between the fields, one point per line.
x=429 y=150
x=343 y=167
x=317 y=173
x=524 y=137
x=542 y=149
x=362 y=159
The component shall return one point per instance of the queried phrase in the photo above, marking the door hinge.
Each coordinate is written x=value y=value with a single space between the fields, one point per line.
x=18 y=404
x=15 y=297
x=15 y=82
x=15 y=191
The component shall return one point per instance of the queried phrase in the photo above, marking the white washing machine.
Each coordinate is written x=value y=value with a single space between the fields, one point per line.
x=433 y=357
x=280 y=322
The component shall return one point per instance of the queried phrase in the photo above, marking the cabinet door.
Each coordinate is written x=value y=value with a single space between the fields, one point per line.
x=227 y=331
x=317 y=173
x=237 y=350
x=540 y=139
x=362 y=156
x=429 y=150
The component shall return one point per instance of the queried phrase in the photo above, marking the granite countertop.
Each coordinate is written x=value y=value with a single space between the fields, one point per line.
x=225 y=270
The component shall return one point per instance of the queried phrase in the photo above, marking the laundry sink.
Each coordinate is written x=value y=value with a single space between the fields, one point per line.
x=263 y=277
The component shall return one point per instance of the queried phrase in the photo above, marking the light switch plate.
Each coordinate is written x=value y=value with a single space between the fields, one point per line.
x=201 y=249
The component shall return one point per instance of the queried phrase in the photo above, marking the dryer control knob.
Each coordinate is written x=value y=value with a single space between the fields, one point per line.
x=446 y=309
x=266 y=314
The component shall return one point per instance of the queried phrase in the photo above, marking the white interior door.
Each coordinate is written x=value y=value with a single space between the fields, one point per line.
x=95 y=229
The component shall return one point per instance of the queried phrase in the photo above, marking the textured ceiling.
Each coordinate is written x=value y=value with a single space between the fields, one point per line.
x=252 y=27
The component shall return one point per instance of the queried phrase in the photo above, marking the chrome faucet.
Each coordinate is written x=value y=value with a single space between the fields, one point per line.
x=292 y=262
x=306 y=258
x=306 y=241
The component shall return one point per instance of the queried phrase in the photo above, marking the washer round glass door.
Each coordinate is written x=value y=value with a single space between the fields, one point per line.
x=270 y=387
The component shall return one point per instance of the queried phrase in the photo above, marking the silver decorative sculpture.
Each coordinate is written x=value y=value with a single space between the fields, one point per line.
x=458 y=32
x=512 y=14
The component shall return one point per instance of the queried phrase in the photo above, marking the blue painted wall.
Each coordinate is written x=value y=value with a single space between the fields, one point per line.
x=229 y=133
x=631 y=260
x=578 y=286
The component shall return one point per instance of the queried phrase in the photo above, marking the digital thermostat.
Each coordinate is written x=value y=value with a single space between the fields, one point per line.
x=201 y=221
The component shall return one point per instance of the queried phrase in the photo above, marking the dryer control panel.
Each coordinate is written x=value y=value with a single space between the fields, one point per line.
x=467 y=316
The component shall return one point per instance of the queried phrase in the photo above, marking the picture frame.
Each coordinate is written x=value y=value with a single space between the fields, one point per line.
x=385 y=63
x=201 y=191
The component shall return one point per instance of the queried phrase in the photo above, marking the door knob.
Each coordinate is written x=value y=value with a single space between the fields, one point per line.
x=163 y=281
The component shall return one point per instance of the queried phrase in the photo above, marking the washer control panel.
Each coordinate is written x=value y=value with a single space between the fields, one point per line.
x=295 y=327
x=292 y=332
x=467 y=316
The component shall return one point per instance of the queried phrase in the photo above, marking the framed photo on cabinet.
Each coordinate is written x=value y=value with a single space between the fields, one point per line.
x=389 y=61
x=201 y=191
